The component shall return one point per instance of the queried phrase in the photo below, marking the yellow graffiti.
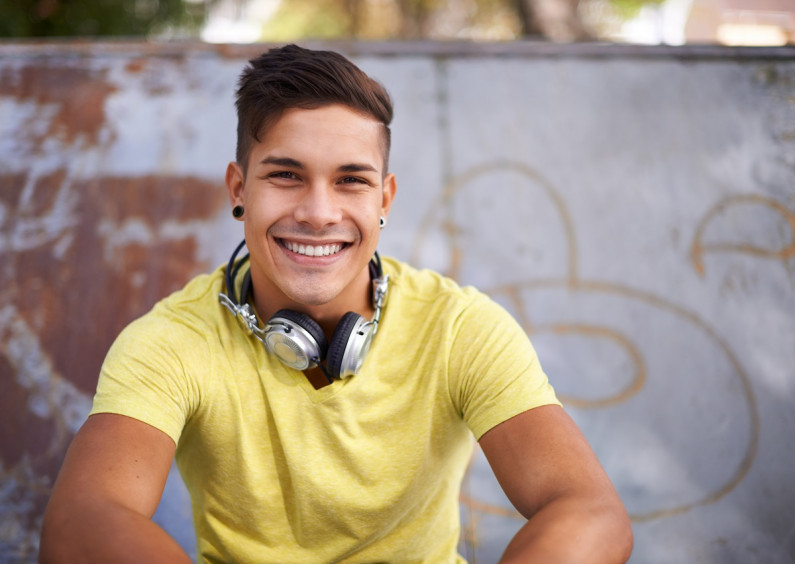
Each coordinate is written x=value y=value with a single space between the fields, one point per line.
x=698 y=248
x=571 y=282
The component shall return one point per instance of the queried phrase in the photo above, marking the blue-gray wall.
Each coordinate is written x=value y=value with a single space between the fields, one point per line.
x=633 y=207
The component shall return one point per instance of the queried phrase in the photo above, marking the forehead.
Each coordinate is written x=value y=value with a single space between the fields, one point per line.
x=328 y=123
x=333 y=132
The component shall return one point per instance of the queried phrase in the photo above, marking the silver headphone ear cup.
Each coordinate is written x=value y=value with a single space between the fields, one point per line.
x=349 y=346
x=340 y=342
x=295 y=339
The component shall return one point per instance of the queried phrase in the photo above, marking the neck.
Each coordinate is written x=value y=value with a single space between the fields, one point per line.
x=267 y=299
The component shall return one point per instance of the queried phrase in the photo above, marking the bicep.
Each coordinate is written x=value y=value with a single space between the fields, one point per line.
x=119 y=460
x=541 y=455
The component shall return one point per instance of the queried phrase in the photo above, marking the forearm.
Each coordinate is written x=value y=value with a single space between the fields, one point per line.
x=571 y=531
x=102 y=532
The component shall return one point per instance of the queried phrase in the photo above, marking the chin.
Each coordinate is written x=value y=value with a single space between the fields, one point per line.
x=312 y=297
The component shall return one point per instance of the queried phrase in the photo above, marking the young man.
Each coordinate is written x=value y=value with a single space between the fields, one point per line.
x=340 y=428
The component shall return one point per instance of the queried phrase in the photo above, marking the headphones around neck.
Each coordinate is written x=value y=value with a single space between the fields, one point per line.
x=295 y=338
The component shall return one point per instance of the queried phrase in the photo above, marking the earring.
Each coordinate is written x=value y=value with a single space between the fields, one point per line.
x=382 y=222
x=238 y=211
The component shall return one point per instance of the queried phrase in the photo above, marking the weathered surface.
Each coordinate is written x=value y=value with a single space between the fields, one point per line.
x=633 y=208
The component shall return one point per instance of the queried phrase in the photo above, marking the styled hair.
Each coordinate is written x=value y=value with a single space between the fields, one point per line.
x=293 y=77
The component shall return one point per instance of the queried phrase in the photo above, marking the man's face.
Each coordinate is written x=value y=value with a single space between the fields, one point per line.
x=313 y=194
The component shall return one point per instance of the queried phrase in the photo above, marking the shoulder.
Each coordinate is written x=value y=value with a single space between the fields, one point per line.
x=186 y=314
x=433 y=292
x=425 y=285
x=198 y=298
x=161 y=358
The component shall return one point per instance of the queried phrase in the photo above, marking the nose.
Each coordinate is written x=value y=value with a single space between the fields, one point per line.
x=318 y=207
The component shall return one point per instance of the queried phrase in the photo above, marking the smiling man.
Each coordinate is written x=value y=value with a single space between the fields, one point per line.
x=312 y=210
x=321 y=402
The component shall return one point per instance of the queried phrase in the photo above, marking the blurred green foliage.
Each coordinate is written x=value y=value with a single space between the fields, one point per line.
x=300 y=19
x=318 y=19
x=628 y=9
x=97 y=18
x=444 y=19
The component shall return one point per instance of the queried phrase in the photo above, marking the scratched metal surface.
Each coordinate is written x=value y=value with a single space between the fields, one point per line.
x=634 y=208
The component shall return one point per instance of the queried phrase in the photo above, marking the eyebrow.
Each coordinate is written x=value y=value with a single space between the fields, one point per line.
x=354 y=167
x=292 y=163
x=282 y=161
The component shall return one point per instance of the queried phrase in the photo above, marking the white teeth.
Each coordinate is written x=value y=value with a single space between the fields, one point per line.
x=313 y=251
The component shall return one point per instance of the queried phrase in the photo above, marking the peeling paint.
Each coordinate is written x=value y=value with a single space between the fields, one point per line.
x=77 y=94
x=551 y=176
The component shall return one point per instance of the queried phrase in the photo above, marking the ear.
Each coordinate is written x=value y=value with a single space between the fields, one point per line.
x=388 y=193
x=235 y=183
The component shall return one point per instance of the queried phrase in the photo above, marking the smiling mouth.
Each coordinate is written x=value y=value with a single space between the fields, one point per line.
x=312 y=250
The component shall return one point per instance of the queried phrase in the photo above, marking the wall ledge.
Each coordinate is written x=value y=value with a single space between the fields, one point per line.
x=125 y=48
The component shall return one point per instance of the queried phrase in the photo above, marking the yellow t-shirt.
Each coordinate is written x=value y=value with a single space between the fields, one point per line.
x=366 y=469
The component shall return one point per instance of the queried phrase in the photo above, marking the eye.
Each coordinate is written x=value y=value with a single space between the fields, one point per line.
x=353 y=180
x=286 y=174
x=284 y=178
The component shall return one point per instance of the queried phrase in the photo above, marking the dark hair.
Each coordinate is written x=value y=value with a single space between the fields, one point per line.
x=293 y=77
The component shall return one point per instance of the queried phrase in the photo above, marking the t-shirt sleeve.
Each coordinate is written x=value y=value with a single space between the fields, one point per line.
x=495 y=372
x=145 y=375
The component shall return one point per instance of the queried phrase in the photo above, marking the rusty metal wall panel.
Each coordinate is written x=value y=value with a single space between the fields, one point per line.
x=633 y=207
x=100 y=219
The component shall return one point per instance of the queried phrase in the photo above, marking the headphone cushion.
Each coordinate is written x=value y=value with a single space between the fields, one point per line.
x=339 y=342
x=307 y=324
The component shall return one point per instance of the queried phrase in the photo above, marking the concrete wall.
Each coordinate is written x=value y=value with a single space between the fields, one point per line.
x=634 y=208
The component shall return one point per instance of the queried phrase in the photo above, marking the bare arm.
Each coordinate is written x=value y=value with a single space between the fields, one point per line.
x=108 y=489
x=550 y=474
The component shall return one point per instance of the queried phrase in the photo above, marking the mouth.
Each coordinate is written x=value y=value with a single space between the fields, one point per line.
x=312 y=250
